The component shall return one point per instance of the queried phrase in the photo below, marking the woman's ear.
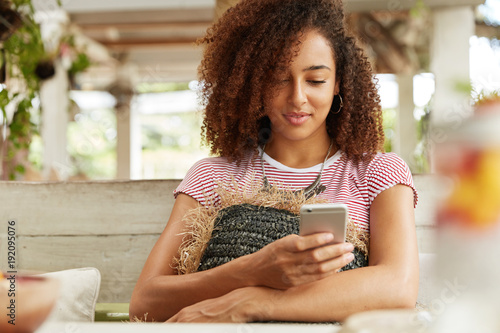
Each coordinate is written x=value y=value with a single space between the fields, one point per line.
x=337 y=88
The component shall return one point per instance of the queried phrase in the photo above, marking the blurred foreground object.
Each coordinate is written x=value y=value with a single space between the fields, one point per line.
x=387 y=321
x=469 y=221
x=25 y=301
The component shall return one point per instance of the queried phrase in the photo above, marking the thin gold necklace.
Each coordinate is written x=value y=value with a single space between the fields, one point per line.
x=314 y=189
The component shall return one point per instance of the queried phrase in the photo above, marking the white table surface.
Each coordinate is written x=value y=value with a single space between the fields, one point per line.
x=111 y=327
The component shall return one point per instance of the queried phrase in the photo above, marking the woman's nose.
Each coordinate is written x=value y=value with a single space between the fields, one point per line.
x=298 y=95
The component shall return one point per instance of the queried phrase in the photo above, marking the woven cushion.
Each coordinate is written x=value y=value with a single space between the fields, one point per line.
x=244 y=229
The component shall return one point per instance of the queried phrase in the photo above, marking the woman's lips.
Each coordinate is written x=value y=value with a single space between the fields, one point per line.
x=297 y=119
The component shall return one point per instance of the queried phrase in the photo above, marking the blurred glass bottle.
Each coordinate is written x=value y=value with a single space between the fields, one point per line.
x=468 y=222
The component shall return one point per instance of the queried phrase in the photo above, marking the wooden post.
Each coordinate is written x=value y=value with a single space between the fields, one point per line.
x=406 y=129
x=123 y=91
x=123 y=129
x=54 y=100
x=55 y=117
x=453 y=28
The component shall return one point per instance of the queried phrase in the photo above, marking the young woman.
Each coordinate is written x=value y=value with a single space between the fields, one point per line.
x=293 y=116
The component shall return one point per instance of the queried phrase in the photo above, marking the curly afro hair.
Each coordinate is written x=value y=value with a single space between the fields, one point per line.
x=247 y=49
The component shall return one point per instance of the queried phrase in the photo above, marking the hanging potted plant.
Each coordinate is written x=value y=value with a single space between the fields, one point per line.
x=22 y=49
x=25 y=64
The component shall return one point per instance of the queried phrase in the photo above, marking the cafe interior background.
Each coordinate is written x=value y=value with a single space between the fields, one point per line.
x=101 y=92
x=114 y=91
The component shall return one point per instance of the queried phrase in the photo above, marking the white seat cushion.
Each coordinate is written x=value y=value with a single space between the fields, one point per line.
x=79 y=289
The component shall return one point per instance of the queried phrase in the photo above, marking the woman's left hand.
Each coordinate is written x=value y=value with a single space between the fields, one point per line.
x=239 y=306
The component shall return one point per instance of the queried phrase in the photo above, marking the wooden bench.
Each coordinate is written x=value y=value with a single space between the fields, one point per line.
x=112 y=225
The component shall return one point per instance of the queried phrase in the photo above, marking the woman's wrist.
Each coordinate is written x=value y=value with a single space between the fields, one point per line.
x=260 y=302
x=236 y=274
x=246 y=271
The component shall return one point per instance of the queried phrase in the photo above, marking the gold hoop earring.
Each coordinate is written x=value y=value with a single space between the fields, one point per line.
x=341 y=105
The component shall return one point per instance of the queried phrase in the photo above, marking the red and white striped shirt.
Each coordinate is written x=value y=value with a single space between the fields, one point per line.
x=355 y=184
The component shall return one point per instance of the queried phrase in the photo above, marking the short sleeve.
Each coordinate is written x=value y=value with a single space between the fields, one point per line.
x=199 y=182
x=387 y=170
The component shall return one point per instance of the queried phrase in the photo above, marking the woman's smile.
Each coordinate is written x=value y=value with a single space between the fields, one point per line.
x=297 y=118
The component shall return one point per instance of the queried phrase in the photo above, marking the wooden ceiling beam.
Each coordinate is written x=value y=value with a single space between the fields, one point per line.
x=122 y=44
x=392 y=5
x=370 y=5
x=489 y=31
x=145 y=26
x=144 y=16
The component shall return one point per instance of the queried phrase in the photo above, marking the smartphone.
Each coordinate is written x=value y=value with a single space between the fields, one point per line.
x=324 y=217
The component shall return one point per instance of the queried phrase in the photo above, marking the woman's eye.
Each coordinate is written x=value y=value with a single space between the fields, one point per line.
x=317 y=82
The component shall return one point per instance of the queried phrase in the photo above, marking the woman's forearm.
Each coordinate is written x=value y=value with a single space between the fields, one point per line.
x=285 y=263
x=331 y=299
x=338 y=296
x=162 y=296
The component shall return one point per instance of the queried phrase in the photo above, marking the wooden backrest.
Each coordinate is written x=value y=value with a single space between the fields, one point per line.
x=112 y=225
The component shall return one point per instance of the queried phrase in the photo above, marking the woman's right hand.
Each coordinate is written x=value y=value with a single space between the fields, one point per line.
x=295 y=260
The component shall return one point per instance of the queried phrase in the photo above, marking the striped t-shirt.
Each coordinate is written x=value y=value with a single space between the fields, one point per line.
x=354 y=184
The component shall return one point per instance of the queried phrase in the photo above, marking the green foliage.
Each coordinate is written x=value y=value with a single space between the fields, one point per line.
x=21 y=125
x=24 y=52
x=22 y=3
x=167 y=138
x=389 y=124
x=484 y=97
x=421 y=155
x=91 y=146
x=81 y=63
x=4 y=100
x=463 y=87
x=419 y=9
